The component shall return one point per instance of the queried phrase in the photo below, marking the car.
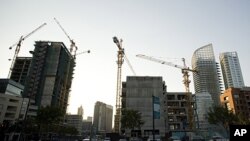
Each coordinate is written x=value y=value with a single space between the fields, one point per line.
x=175 y=138
x=122 y=139
x=197 y=138
x=154 y=140
x=218 y=138
x=86 y=140
x=135 y=139
x=107 y=139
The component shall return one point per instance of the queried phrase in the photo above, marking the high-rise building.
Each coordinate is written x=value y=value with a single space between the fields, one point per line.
x=231 y=70
x=50 y=75
x=80 y=111
x=208 y=78
x=103 y=114
x=20 y=69
x=137 y=93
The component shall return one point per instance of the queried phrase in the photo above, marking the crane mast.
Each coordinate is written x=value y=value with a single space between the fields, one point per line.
x=120 y=56
x=186 y=82
x=18 y=47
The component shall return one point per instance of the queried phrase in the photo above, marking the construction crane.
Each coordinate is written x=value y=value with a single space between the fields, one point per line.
x=186 y=82
x=73 y=44
x=88 y=51
x=18 y=47
x=120 y=55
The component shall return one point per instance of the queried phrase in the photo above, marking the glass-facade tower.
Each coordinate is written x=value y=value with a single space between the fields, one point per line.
x=207 y=79
x=231 y=70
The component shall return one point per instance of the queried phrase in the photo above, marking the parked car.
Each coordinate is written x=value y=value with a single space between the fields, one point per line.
x=107 y=139
x=174 y=138
x=135 y=139
x=218 y=138
x=157 y=138
x=154 y=140
x=197 y=138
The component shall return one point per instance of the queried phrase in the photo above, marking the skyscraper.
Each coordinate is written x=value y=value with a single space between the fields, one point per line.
x=231 y=70
x=80 y=111
x=50 y=75
x=103 y=114
x=207 y=79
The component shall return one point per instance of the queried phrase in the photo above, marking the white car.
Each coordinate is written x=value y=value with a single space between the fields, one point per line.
x=107 y=139
x=175 y=138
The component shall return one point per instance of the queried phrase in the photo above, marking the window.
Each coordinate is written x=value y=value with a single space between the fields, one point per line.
x=236 y=96
x=226 y=98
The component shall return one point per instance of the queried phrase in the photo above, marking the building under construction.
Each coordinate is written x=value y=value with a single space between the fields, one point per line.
x=50 y=74
x=20 y=70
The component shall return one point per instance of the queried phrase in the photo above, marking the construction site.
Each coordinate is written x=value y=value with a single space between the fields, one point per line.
x=48 y=76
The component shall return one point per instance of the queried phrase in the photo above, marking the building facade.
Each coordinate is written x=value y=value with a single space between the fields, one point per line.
x=75 y=121
x=102 y=122
x=80 y=111
x=20 y=69
x=86 y=128
x=10 y=87
x=208 y=77
x=12 y=105
x=231 y=70
x=237 y=100
x=176 y=111
x=50 y=75
x=137 y=94
x=9 y=107
x=203 y=102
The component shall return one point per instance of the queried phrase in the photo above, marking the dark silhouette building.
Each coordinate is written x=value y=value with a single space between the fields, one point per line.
x=50 y=75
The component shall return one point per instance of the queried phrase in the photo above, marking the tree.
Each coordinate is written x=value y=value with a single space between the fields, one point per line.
x=49 y=114
x=4 y=126
x=131 y=119
x=243 y=119
x=222 y=116
x=48 y=118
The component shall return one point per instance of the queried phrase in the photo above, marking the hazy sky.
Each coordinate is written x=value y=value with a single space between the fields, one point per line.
x=161 y=28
